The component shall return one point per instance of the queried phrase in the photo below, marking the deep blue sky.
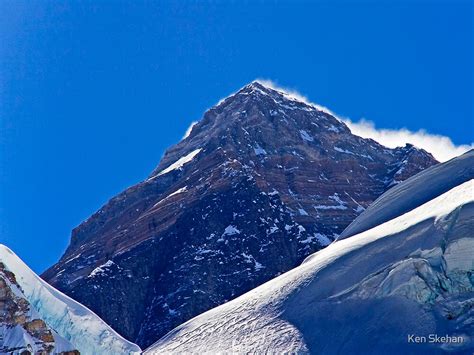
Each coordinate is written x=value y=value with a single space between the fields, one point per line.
x=91 y=93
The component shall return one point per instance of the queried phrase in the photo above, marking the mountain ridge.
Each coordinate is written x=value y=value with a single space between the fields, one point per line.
x=366 y=293
x=455 y=169
x=70 y=322
x=21 y=327
x=262 y=181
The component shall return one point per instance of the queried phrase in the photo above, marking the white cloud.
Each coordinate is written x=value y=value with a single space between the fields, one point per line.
x=441 y=147
x=190 y=128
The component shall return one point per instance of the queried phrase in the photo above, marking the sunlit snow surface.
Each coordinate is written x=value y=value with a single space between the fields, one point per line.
x=74 y=322
x=364 y=294
x=180 y=162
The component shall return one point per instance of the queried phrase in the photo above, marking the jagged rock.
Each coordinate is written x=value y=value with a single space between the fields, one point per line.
x=261 y=182
x=33 y=313
x=21 y=329
x=371 y=293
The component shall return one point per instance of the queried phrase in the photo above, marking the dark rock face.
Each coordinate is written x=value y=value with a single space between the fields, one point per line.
x=21 y=331
x=261 y=182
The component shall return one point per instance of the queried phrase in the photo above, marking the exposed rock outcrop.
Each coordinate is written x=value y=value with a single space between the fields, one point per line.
x=261 y=182
x=21 y=329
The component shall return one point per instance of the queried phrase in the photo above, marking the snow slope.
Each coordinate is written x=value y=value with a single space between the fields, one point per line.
x=415 y=191
x=71 y=320
x=20 y=326
x=364 y=294
x=260 y=161
x=17 y=338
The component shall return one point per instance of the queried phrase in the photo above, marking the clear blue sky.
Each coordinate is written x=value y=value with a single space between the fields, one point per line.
x=91 y=93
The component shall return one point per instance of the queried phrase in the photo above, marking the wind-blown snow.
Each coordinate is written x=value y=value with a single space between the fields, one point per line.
x=440 y=146
x=363 y=294
x=293 y=95
x=190 y=128
x=71 y=320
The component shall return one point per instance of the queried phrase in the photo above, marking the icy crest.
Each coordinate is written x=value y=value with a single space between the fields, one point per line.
x=387 y=279
x=71 y=320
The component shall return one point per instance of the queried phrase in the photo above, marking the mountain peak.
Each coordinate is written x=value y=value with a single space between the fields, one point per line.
x=267 y=88
x=260 y=87
x=263 y=180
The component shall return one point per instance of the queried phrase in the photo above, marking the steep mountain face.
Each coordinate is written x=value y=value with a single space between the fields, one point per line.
x=414 y=192
x=405 y=286
x=22 y=331
x=36 y=318
x=261 y=182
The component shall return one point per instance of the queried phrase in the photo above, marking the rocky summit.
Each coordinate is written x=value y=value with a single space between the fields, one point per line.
x=261 y=182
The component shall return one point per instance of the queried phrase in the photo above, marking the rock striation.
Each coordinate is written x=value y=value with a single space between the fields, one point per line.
x=261 y=182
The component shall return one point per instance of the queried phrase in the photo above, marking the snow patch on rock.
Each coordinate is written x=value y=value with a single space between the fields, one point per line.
x=179 y=163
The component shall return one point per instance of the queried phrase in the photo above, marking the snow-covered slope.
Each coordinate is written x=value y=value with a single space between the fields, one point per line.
x=169 y=244
x=21 y=327
x=415 y=191
x=71 y=320
x=371 y=293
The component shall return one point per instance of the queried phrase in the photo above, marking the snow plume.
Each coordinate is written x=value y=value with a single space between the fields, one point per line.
x=190 y=128
x=293 y=94
x=441 y=147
